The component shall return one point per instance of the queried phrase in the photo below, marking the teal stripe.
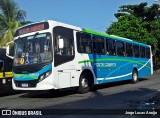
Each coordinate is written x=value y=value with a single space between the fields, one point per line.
x=24 y=75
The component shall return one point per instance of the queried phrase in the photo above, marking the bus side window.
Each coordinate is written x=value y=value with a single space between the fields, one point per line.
x=142 y=52
x=106 y=46
x=84 y=43
x=111 y=47
x=129 y=50
x=120 y=48
x=136 y=50
x=148 y=54
x=98 y=45
x=1 y=66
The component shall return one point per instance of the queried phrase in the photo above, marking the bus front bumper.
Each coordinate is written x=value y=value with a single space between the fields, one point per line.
x=45 y=84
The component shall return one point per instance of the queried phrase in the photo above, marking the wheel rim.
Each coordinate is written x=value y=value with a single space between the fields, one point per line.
x=135 y=76
x=84 y=83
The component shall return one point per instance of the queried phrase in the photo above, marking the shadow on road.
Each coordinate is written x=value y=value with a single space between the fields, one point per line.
x=117 y=104
x=71 y=91
x=60 y=93
x=7 y=91
x=49 y=94
x=112 y=84
x=94 y=103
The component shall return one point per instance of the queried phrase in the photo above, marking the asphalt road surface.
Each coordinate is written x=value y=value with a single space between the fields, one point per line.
x=116 y=97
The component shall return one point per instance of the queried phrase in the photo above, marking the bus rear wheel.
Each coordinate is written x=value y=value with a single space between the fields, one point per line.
x=134 y=76
x=84 y=83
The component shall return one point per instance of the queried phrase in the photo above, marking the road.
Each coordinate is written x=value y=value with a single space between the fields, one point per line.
x=119 y=95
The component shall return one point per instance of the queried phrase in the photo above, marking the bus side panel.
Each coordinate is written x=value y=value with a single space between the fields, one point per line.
x=110 y=69
x=146 y=70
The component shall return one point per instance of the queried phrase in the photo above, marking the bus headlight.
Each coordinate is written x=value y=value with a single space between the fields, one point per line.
x=41 y=77
x=45 y=75
x=48 y=73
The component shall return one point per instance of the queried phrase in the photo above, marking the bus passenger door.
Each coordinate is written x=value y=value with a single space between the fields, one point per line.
x=64 y=54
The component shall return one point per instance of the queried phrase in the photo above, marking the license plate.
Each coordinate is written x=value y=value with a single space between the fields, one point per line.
x=24 y=85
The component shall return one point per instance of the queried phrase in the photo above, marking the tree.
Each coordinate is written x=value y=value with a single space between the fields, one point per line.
x=11 y=17
x=131 y=27
x=140 y=23
x=140 y=11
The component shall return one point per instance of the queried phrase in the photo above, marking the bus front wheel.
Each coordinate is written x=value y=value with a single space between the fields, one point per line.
x=84 y=83
x=134 y=76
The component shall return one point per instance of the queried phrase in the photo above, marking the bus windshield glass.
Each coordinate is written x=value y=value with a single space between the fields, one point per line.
x=35 y=49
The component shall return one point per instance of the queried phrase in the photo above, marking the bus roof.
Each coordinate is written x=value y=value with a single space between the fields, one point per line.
x=92 y=32
x=113 y=37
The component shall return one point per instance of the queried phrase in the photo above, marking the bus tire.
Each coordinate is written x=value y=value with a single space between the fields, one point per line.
x=134 y=76
x=84 y=83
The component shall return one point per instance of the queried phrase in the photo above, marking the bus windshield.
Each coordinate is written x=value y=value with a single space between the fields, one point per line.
x=35 y=49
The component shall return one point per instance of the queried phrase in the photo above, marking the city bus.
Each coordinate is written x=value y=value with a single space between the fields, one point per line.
x=5 y=71
x=51 y=55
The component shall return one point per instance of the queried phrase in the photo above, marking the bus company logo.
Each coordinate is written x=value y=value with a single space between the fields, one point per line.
x=6 y=112
x=34 y=74
x=107 y=65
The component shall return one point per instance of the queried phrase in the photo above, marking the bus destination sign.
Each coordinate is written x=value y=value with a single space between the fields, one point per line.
x=32 y=28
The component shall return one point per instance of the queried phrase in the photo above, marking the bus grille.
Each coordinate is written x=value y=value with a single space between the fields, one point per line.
x=32 y=83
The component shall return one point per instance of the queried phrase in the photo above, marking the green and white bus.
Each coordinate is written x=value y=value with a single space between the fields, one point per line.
x=53 y=55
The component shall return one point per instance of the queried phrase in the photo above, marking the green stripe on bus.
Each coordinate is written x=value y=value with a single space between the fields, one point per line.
x=112 y=37
x=100 y=34
x=93 y=32
x=111 y=59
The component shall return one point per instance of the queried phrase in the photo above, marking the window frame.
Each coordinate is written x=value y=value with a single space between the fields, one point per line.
x=89 y=42
x=148 y=56
x=123 y=53
x=95 y=39
x=142 y=52
x=113 y=52
x=128 y=45
x=138 y=56
x=60 y=59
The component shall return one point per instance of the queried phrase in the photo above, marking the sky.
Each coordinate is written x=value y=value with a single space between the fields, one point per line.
x=91 y=14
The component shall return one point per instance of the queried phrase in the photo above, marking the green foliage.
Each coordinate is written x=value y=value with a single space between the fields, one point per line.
x=11 y=17
x=140 y=11
x=131 y=27
x=140 y=23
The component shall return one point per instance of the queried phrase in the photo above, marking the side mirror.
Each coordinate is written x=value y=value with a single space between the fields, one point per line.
x=61 y=43
x=9 y=47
